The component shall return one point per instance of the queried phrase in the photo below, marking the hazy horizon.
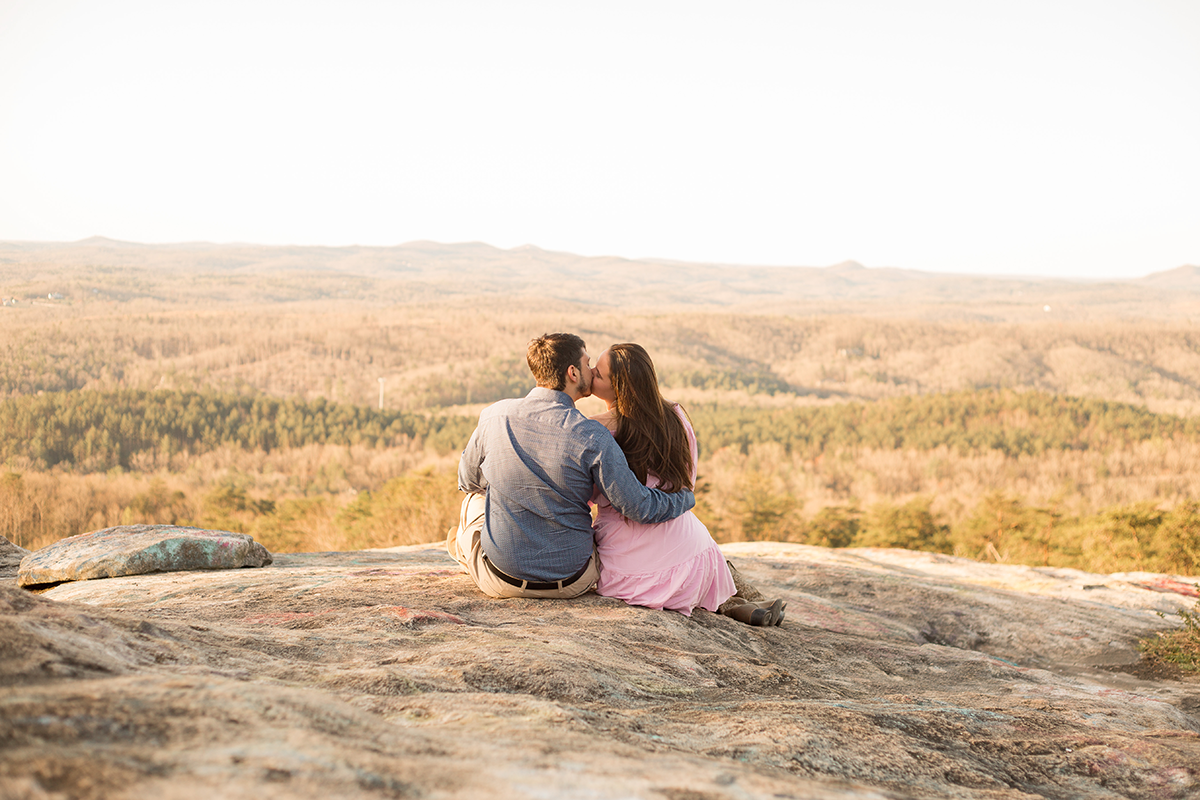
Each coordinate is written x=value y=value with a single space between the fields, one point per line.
x=459 y=253
x=1005 y=139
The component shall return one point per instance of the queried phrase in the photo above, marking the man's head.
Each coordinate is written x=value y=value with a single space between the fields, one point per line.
x=560 y=361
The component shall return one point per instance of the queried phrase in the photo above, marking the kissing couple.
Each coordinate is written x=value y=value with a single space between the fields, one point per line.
x=534 y=464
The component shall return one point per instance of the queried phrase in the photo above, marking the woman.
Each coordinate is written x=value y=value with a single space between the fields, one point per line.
x=674 y=564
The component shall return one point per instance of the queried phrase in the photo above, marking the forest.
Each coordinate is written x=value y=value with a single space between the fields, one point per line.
x=323 y=409
x=89 y=459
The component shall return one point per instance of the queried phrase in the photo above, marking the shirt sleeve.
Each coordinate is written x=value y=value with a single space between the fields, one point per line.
x=470 y=472
x=628 y=495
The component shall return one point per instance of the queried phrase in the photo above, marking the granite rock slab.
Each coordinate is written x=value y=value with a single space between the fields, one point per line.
x=378 y=675
x=139 y=550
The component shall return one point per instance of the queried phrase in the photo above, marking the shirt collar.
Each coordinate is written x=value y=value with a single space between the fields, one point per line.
x=552 y=395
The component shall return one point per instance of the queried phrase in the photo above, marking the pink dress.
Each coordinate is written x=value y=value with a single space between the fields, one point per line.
x=674 y=564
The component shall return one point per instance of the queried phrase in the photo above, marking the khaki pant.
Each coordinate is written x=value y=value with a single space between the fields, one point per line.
x=464 y=547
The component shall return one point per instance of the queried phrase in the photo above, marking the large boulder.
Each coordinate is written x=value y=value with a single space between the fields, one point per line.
x=137 y=550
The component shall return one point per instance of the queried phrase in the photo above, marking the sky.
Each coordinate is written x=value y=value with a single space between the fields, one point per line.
x=1043 y=137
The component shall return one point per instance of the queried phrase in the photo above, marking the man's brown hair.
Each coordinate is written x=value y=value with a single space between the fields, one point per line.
x=550 y=355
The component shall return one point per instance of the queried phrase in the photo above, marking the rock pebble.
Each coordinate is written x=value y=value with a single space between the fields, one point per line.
x=138 y=550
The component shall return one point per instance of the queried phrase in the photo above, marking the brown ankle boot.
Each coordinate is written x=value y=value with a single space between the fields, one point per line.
x=760 y=615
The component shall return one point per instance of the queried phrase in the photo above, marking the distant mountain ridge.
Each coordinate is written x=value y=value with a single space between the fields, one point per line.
x=1187 y=277
x=477 y=268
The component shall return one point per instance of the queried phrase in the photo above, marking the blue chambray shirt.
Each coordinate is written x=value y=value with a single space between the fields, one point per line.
x=538 y=458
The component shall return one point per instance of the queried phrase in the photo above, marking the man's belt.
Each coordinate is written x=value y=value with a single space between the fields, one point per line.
x=537 y=586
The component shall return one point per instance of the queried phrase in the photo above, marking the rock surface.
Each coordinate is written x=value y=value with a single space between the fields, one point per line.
x=139 y=550
x=386 y=674
x=10 y=558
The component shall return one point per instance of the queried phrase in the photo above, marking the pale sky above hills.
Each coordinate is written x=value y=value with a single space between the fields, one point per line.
x=1037 y=137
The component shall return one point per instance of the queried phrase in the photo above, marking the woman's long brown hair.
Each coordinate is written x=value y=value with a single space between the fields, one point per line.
x=648 y=430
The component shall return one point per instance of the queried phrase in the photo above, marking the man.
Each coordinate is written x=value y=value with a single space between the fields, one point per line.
x=530 y=467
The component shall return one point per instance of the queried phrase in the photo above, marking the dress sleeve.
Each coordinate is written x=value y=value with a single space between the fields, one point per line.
x=691 y=437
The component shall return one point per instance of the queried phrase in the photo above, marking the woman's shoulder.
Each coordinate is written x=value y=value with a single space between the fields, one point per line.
x=608 y=419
